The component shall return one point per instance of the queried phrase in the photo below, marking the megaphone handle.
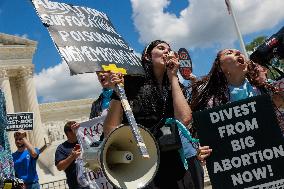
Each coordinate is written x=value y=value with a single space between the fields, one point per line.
x=132 y=122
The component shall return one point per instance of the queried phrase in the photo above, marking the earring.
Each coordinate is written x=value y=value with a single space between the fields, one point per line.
x=229 y=74
x=147 y=57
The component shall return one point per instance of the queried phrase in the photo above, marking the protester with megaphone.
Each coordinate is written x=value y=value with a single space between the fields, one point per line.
x=153 y=98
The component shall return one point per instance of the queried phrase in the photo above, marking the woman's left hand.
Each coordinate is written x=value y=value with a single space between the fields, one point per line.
x=172 y=65
x=202 y=153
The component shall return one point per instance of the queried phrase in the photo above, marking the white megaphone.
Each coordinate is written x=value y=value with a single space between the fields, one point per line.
x=121 y=161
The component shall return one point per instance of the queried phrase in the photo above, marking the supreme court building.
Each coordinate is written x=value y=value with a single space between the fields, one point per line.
x=17 y=83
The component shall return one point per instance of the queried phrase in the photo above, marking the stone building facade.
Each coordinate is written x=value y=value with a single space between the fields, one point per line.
x=16 y=80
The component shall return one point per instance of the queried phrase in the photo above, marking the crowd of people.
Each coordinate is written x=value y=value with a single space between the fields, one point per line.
x=158 y=94
x=153 y=97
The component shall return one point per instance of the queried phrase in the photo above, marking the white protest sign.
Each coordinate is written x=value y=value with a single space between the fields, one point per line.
x=88 y=133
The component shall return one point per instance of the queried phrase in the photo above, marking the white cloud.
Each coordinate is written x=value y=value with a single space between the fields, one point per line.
x=56 y=84
x=25 y=36
x=203 y=23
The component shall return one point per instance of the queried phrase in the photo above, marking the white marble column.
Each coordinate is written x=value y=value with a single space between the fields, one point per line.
x=39 y=134
x=6 y=88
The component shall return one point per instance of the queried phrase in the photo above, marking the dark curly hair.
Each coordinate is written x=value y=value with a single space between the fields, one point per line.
x=215 y=85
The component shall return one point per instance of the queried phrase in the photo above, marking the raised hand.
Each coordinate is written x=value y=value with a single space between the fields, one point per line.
x=21 y=134
x=76 y=151
x=172 y=64
x=116 y=78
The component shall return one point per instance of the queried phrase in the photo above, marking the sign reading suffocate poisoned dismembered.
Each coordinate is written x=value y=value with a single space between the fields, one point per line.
x=20 y=120
x=247 y=144
x=86 y=38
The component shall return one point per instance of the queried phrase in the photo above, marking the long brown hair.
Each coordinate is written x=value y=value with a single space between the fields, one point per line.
x=214 y=86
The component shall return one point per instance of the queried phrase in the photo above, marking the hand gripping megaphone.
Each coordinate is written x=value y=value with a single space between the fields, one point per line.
x=129 y=157
x=120 y=159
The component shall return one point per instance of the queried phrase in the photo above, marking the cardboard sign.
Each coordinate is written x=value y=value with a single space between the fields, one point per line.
x=88 y=133
x=20 y=120
x=247 y=144
x=85 y=38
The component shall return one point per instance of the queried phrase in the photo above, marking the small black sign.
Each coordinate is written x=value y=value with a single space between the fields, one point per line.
x=21 y=120
x=247 y=144
x=86 y=38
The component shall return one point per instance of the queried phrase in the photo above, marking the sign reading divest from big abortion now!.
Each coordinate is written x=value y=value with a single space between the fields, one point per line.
x=247 y=144
x=86 y=38
x=20 y=120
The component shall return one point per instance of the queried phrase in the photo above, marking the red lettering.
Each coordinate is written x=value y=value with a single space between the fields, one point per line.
x=91 y=131
x=96 y=128
x=85 y=133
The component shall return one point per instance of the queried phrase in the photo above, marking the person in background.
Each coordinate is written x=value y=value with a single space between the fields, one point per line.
x=66 y=154
x=102 y=103
x=25 y=159
x=152 y=98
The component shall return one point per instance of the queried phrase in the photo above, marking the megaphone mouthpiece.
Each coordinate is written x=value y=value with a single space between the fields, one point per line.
x=116 y=156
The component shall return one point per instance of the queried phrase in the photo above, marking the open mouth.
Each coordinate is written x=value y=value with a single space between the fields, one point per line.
x=20 y=145
x=102 y=79
x=241 y=60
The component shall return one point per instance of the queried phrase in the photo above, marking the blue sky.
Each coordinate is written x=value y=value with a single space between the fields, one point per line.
x=202 y=26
